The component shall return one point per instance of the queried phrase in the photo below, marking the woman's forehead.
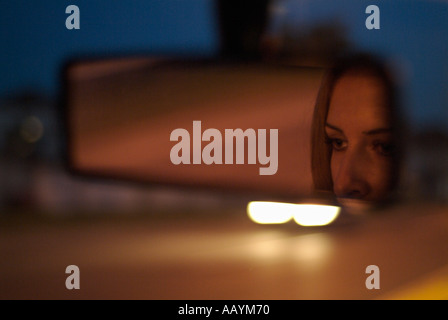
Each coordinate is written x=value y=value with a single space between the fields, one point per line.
x=359 y=99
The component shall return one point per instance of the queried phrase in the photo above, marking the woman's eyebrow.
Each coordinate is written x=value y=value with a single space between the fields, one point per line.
x=377 y=131
x=333 y=127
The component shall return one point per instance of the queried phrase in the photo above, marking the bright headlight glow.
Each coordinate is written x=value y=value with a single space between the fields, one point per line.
x=265 y=212
x=315 y=215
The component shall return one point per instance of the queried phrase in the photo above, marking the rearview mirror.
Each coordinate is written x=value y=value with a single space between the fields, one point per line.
x=230 y=126
x=258 y=129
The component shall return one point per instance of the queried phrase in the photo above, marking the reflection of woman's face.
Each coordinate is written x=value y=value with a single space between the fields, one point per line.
x=359 y=131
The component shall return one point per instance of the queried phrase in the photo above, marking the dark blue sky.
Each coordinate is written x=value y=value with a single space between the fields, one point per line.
x=35 y=42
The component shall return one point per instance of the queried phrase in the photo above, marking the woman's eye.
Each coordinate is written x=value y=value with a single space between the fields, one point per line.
x=337 y=144
x=384 y=149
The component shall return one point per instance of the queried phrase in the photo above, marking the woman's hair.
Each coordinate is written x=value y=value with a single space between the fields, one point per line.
x=320 y=150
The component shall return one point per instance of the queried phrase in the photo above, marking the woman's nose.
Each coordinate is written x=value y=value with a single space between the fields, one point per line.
x=350 y=180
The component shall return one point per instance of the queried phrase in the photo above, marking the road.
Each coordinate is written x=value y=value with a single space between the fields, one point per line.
x=224 y=255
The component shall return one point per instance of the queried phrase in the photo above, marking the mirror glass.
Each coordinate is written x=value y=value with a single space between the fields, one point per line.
x=356 y=145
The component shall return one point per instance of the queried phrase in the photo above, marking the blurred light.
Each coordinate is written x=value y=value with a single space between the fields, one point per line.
x=355 y=206
x=31 y=129
x=312 y=251
x=264 y=212
x=278 y=9
x=315 y=215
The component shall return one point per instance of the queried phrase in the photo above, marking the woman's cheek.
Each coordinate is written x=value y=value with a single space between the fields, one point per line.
x=381 y=177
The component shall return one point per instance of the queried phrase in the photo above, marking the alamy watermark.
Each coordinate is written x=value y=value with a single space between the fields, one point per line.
x=73 y=21
x=234 y=139
x=73 y=280
x=373 y=20
x=373 y=280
